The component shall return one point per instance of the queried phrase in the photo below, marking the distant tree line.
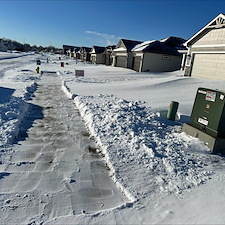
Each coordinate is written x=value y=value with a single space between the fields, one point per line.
x=17 y=46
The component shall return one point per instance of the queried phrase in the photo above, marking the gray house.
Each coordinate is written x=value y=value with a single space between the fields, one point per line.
x=108 y=55
x=158 y=56
x=76 y=53
x=122 y=55
x=206 y=51
x=97 y=55
x=67 y=49
x=85 y=54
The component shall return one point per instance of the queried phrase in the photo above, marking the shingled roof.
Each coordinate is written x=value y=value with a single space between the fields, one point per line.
x=128 y=44
x=156 y=47
x=175 y=42
x=97 y=49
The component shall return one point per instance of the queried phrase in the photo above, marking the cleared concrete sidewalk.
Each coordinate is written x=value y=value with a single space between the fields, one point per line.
x=54 y=169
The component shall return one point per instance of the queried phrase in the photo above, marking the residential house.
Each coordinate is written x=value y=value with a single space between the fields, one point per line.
x=97 y=55
x=206 y=51
x=178 y=44
x=85 y=54
x=76 y=53
x=158 y=56
x=108 y=55
x=67 y=49
x=122 y=55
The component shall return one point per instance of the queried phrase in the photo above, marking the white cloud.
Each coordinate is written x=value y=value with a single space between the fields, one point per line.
x=109 y=39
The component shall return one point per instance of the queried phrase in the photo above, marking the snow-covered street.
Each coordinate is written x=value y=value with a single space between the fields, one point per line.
x=98 y=149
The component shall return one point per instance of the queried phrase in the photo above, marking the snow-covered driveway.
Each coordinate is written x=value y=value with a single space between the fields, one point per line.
x=54 y=169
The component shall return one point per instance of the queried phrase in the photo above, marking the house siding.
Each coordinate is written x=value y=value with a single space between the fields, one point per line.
x=213 y=37
x=206 y=53
x=160 y=63
x=98 y=58
x=130 y=60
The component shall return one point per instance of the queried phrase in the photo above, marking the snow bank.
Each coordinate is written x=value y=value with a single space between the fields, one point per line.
x=13 y=110
x=136 y=139
x=141 y=147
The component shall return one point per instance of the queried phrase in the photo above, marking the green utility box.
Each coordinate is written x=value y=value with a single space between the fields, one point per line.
x=208 y=119
x=208 y=113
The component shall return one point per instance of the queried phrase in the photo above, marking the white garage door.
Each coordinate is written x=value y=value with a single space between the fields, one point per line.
x=209 y=66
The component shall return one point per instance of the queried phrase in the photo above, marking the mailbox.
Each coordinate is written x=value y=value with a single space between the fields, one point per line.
x=207 y=120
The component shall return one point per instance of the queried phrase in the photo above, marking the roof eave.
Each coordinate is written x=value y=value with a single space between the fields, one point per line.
x=202 y=31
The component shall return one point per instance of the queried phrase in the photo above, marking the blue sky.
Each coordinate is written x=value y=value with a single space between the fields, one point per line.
x=88 y=23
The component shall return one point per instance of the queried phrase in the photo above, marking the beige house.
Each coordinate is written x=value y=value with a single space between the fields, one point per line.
x=206 y=51
x=122 y=55
x=97 y=55
x=76 y=52
x=67 y=49
x=108 y=55
x=158 y=56
x=85 y=53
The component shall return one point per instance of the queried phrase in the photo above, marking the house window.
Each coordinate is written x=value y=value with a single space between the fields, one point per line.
x=166 y=57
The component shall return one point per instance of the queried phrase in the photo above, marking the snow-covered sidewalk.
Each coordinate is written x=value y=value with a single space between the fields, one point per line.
x=55 y=169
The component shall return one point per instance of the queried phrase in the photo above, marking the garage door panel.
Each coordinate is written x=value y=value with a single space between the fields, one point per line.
x=221 y=56
x=209 y=66
x=137 y=62
x=121 y=61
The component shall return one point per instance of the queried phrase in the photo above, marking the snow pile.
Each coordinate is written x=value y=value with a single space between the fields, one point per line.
x=141 y=147
x=25 y=75
x=13 y=110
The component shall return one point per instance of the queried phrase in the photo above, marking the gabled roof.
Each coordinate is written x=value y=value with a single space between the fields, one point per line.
x=142 y=46
x=127 y=44
x=86 y=49
x=97 y=49
x=111 y=47
x=121 y=49
x=169 y=45
x=175 y=42
x=76 y=49
x=69 y=46
x=160 y=48
x=217 y=22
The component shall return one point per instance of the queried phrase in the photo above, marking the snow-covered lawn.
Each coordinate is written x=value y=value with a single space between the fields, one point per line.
x=167 y=176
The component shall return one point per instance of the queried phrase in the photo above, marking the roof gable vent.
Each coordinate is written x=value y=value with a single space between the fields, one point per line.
x=220 y=22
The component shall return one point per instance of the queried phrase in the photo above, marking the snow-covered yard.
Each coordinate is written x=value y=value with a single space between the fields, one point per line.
x=165 y=176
